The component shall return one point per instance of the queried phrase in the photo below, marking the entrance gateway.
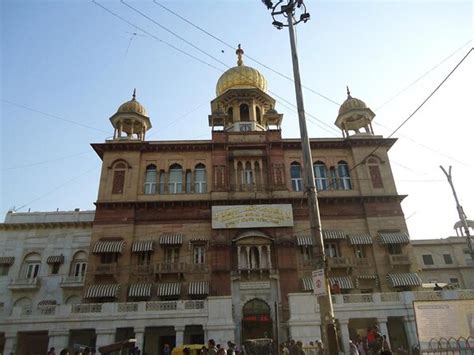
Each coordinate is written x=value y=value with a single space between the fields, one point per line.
x=256 y=320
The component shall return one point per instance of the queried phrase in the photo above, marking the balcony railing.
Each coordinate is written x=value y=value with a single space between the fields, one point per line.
x=142 y=270
x=198 y=268
x=87 y=308
x=399 y=259
x=106 y=269
x=362 y=262
x=341 y=261
x=169 y=268
x=358 y=298
x=72 y=281
x=25 y=284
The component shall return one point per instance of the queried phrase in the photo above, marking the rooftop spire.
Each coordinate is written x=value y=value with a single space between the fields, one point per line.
x=134 y=94
x=348 y=93
x=239 y=53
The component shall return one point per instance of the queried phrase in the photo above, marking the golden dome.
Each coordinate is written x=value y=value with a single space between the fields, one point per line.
x=132 y=106
x=351 y=103
x=240 y=77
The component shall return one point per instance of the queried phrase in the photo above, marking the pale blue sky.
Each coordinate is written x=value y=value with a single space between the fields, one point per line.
x=73 y=60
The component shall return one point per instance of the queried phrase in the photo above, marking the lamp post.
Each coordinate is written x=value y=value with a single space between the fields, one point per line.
x=287 y=9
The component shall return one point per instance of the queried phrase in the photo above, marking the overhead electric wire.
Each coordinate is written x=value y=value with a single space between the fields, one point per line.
x=43 y=162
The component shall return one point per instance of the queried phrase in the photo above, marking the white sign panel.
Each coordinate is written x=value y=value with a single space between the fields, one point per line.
x=319 y=283
x=252 y=216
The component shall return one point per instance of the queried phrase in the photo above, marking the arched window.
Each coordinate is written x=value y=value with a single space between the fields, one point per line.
x=254 y=258
x=118 y=181
x=244 y=113
x=188 y=181
x=162 y=182
x=150 y=180
x=200 y=179
x=296 y=180
x=344 y=176
x=31 y=266
x=175 y=182
x=79 y=265
x=320 y=176
x=374 y=172
x=248 y=175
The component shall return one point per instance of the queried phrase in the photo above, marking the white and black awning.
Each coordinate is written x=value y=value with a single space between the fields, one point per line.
x=344 y=282
x=139 y=290
x=169 y=289
x=304 y=240
x=171 y=239
x=102 y=291
x=108 y=246
x=403 y=279
x=394 y=238
x=7 y=260
x=196 y=288
x=307 y=283
x=333 y=234
x=359 y=239
x=55 y=259
x=142 y=246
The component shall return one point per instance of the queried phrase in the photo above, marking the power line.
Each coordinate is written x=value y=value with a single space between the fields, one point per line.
x=44 y=161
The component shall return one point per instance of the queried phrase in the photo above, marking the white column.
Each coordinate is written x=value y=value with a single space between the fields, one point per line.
x=247 y=251
x=410 y=331
x=10 y=343
x=58 y=339
x=236 y=174
x=344 y=324
x=179 y=335
x=383 y=328
x=254 y=177
x=239 y=261
x=104 y=337
x=260 y=257
x=269 y=256
x=139 y=335
x=260 y=164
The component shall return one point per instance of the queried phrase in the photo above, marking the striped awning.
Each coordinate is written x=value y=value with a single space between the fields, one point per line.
x=367 y=276
x=169 y=289
x=7 y=260
x=404 y=279
x=307 y=283
x=394 y=238
x=139 y=290
x=55 y=259
x=304 y=240
x=102 y=290
x=331 y=234
x=345 y=282
x=47 y=303
x=198 y=288
x=108 y=246
x=142 y=245
x=199 y=239
x=171 y=239
x=359 y=238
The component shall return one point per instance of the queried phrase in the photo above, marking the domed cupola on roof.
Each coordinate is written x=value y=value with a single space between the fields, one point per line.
x=130 y=121
x=354 y=115
x=242 y=103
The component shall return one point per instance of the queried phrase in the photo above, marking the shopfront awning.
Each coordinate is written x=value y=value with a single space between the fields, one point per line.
x=197 y=288
x=359 y=239
x=367 y=276
x=304 y=240
x=139 y=290
x=307 y=283
x=102 y=290
x=7 y=260
x=108 y=246
x=333 y=234
x=55 y=259
x=404 y=279
x=142 y=246
x=345 y=282
x=169 y=289
x=171 y=239
x=394 y=238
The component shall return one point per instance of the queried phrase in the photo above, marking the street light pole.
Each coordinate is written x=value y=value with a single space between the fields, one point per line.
x=328 y=329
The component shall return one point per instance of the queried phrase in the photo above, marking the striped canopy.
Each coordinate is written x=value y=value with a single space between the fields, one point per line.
x=394 y=238
x=108 y=246
x=102 y=290
x=55 y=259
x=171 y=239
x=196 y=288
x=404 y=279
x=139 y=290
x=142 y=246
x=359 y=239
x=169 y=289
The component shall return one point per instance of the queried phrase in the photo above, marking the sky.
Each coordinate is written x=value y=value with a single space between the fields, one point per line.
x=66 y=66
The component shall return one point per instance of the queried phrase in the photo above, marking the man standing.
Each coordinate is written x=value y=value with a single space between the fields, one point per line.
x=211 y=344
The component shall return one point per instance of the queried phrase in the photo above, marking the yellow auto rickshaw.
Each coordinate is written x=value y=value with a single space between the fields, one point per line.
x=194 y=349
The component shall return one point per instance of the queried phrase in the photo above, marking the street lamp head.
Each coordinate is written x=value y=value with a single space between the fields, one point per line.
x=304 y=17
x=268 y=4
x=278 y=24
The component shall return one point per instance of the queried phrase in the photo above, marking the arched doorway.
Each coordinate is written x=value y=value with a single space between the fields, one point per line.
x=256 y=320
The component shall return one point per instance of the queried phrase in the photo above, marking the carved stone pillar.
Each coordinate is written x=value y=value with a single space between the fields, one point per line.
x=260 y=257
x=239 y=260
x=269 y=256
x=247 y=251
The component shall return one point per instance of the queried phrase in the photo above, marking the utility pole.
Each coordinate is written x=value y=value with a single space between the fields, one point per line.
x=288 y=9
x=462 y=215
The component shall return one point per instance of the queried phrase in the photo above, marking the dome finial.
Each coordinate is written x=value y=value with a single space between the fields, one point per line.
x=348 y=93
x=134 y=94
x=239 y=53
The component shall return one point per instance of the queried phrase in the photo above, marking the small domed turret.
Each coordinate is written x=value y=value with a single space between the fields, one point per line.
x=131 y=118
x=354 y=115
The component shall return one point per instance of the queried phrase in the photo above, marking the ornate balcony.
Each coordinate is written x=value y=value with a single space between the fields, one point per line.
x=24 y=284
x=72 y=281
x=340 y=262
x=142 y=270
x=169 y=268
x=197 y=268
x=400 y=259
x=106 y=269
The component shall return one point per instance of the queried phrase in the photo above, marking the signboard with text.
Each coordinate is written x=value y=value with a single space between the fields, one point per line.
x=252 y=216
x=319 y=282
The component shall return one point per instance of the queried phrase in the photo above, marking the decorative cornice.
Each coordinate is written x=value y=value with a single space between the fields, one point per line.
x=13 y=226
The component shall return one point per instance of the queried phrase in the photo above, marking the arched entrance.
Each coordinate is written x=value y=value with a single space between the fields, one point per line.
x=256 y=320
